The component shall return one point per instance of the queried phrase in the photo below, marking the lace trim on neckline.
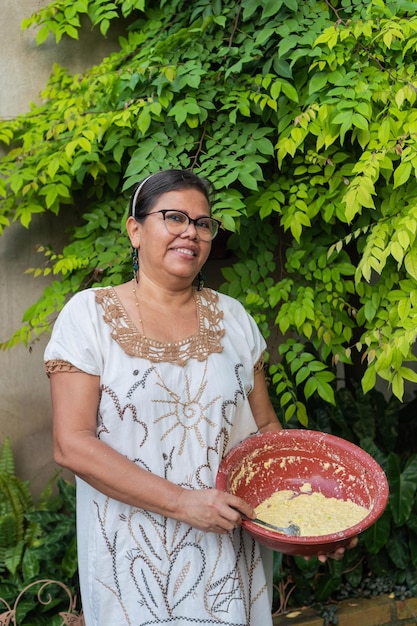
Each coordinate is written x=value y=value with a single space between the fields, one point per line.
x=206 y=341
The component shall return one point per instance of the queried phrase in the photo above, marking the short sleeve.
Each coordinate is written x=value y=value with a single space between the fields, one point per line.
x=257 y=343
x=243 y=327
x=75 y=336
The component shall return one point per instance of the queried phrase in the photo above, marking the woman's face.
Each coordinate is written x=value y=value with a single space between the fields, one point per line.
x=164 y=256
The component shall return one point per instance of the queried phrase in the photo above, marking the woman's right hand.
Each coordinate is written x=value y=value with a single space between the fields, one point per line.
x=212 y=510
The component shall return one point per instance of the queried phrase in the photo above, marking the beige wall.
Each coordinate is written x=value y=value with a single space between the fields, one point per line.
x=25 y=412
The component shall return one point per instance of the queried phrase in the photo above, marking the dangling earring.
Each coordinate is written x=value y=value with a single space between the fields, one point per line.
x=201 y=279
x=135 y=263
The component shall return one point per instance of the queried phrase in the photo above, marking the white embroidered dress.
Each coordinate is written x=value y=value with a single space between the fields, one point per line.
x=174 y=410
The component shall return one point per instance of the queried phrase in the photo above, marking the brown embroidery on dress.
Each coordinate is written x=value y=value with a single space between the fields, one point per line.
x=121 y=412
x=186 y=413
x=199 y=346
x=59 y=365
x=182 y=576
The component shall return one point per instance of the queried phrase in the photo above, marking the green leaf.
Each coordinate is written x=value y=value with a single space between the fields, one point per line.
x=402 y=173
x=249 y=8
x=325 y=390
x=70 y=559
x=397 y=548
x=310 y=387
x=13 y=557
x=270 y=8
x=402 y=488
x=285 y=398
x=377 y=535
x=328 y=583
x=302 y=414
x=408 y=374
x=30 y=564
x=42 y=34
x=317 y=82
x=369 y=379
x=263 y=36
x=410 y=263
x=291 y=4
x=290 y=91
x=359 y=121
x=344 y=118
x=7 y=464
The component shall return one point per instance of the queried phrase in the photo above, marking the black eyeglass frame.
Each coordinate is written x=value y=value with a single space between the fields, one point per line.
x=190 y=220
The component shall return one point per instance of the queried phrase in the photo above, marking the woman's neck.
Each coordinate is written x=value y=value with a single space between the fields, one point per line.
x=152 y=292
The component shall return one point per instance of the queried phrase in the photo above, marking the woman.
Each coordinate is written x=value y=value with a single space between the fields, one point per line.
x=152 y=382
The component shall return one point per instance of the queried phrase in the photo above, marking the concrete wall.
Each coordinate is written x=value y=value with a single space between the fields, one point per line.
x=25 y=412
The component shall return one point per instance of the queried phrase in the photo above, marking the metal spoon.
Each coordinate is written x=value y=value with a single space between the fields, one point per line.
x=292 y=530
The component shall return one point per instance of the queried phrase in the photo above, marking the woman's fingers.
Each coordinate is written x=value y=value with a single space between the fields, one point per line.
x=338 y=554
x=212 y=510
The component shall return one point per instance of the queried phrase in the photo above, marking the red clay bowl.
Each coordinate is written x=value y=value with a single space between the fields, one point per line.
x=287 y=459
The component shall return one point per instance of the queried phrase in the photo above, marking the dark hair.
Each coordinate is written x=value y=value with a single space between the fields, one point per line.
x=147 y=192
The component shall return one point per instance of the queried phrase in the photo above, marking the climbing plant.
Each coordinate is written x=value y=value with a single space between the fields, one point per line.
x=301 y=113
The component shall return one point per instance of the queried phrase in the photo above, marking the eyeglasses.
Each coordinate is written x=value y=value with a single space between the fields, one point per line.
x=177 y=222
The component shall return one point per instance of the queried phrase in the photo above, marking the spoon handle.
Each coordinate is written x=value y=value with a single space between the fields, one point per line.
x=292 y=530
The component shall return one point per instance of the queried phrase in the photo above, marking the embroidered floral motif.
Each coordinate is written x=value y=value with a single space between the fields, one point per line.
x=206 y=341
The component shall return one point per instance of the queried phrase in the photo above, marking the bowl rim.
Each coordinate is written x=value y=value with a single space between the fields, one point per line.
x=255 y=441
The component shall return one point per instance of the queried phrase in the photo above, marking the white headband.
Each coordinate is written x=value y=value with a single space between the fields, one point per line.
x=136 y=194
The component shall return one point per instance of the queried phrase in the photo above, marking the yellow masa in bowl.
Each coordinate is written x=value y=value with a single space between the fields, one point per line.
x=314 y=513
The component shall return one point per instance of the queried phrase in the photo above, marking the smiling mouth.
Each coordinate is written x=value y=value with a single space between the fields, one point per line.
x=185 y=251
